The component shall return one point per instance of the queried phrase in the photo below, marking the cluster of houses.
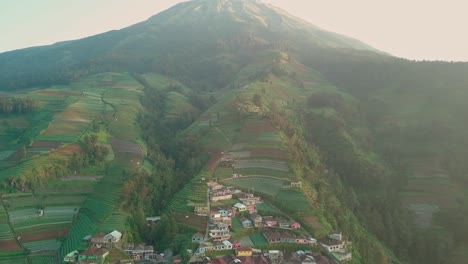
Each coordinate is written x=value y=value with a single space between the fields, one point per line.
x=247 y=255
x=98 y=249
x=275 y=229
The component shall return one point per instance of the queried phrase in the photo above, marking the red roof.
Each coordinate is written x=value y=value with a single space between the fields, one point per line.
x=92 y=251
x=244 y=249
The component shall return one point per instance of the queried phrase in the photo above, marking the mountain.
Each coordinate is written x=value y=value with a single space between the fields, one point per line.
x=225 y=26
x=377 y=143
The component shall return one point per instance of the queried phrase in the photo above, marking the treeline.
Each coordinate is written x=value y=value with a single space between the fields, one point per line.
x=175 y=158
x=17 y=105
x=334 y=199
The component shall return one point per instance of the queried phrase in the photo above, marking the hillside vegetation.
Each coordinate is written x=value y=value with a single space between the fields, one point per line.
x=105 y=131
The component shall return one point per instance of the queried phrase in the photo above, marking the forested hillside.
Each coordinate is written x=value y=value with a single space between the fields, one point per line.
x=137 y=120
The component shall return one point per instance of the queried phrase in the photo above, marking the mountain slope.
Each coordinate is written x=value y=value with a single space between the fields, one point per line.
x=374 y=138
x=191 y=30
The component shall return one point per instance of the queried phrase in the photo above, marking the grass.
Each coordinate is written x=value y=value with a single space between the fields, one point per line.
x=293 y=200
x=265 y=186
x=236 y=225
x=258 y=240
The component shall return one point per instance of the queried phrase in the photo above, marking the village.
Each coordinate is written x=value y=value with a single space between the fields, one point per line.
x=285 y=241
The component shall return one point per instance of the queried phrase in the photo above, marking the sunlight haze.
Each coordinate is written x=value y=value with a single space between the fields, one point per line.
x=431 y=30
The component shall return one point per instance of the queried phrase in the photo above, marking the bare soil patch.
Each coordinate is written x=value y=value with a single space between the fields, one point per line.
x=68 y=150
x=44 y=235
x=124 y=146
x=213 y=161
x=193 y=220
x=9 y=245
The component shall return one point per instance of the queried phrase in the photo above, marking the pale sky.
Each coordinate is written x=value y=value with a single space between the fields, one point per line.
x=413 y=29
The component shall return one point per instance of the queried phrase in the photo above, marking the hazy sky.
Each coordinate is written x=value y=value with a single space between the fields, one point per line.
x=414 y=29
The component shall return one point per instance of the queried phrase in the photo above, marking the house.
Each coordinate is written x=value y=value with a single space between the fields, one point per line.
x=248 y=199
x=295 y=225
x=139 y=251
x=252 y=208
x=98 y=240
x=246 y=223
x=244 y=252
x=269 y=221
x=71 y=257
x=177 y=259
x=282 y=223
x=151 y=220
x=223 y=193
x=113 y=237
x=220 y=232
x=275 y=256
x=286 y=237
x=222 y=220
x=197 y=237
x=220 y=212
x=331 y=245
x=301 y=239
x=296 y=184
x=341 y=255
x=272 y=237
x=256 y=220
x=204 y=247
x=222 y=245
x=236 y=244
x=93 y=255
x=201 y=209
x=240 y=207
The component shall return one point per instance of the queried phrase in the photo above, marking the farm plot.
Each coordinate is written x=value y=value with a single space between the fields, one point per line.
x=423 y=213
x=265 y=164
x=192 y=220
x=258 y=240
x=127 y=152
x=270 y=153
x=263 y=172
x=293 y=200
x=43 y=245
x=41 y=259
x=74 y=241
x=246 y=241
x=52 y=214
x=114 y=222
x=236 y=225
x=16 y=257
x=266 y=186
x=47 y=200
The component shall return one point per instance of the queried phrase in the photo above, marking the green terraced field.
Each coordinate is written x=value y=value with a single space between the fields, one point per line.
x=265 y=186
x=43 y=245
x=293 y=200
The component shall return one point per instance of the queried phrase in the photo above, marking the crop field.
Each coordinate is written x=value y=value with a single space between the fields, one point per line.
x=264 y=172
x=43 y=259
x=258 y=239
x=293 y=200
x=264 y=207
x=262 y=185
x=114 y=222
x=236 y=225
x=33 y=201
x=193 y=192
x=43 y=245
x=16 y=257
x=52 y=214
x=74 y=241
x=246 y=241
x=268 y=152
x=262 y=163
x=192 y=220
x=223 y=173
